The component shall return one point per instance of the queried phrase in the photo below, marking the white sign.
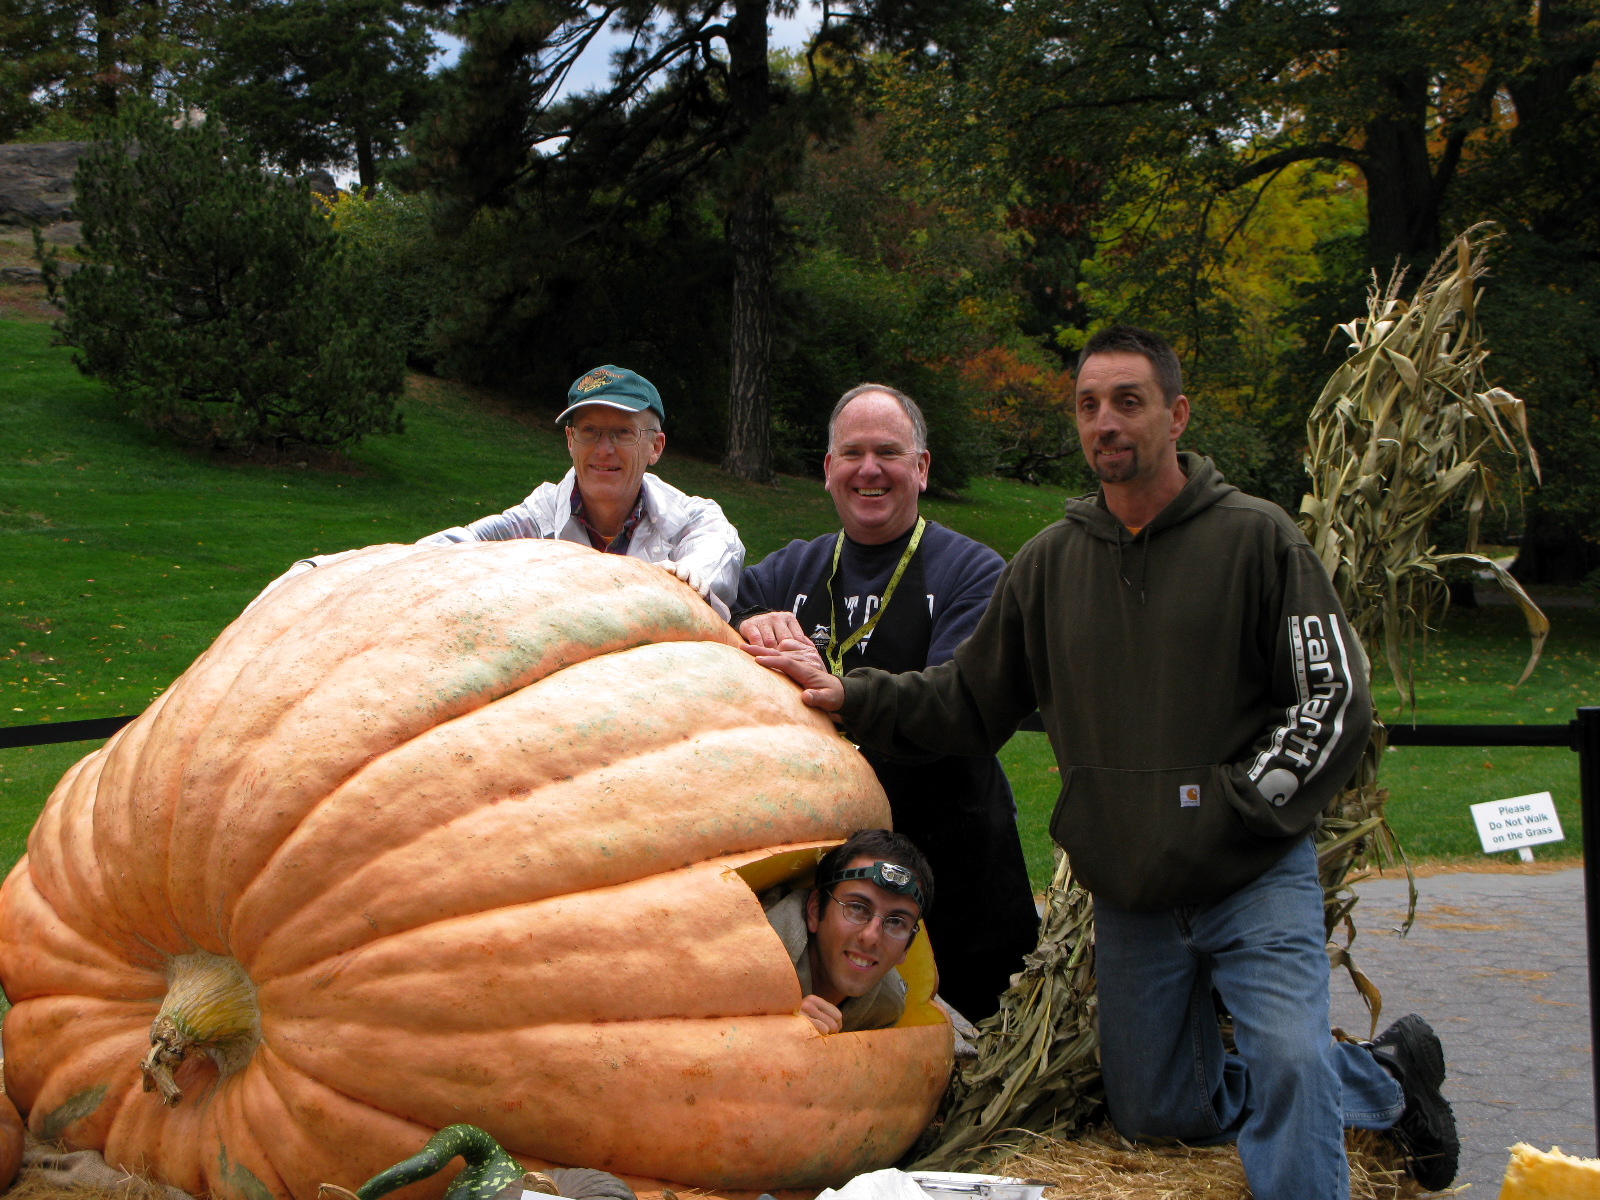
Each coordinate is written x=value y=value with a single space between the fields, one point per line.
x=1517 y=823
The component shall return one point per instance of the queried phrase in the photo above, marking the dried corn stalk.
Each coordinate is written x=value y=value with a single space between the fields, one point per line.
x=1405 y=432
x=1038 y=1065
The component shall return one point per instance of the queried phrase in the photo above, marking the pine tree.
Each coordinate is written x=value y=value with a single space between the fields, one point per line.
x=316 y=83
x=81 y=59
x=217 y=300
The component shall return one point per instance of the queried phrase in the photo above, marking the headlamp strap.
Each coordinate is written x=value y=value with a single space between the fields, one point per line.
x=890 y=876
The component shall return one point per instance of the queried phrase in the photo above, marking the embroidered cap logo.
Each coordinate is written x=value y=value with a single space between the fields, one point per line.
x=599 y=377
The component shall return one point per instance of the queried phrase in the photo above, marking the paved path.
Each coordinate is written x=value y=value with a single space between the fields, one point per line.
x=1497 y=964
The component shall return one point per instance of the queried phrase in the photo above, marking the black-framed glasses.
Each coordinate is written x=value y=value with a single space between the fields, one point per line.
x=622 y=438
x=893 y=924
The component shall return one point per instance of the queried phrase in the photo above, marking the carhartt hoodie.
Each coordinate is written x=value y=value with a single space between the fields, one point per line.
x=1202 y=691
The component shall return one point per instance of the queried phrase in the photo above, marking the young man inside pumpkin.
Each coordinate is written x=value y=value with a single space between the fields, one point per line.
x=849 y=932
x=608 y=499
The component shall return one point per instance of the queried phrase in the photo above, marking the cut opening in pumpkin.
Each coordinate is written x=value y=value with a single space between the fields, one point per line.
x=798 y=867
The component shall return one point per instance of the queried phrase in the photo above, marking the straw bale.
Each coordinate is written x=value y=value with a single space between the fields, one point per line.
x=1105 y=1166
x=52 y=1172
x=31 y=1186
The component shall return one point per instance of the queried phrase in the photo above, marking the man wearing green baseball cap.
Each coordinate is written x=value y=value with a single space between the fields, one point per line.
x=609 y=500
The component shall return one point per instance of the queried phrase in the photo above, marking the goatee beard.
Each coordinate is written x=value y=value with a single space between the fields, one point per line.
x=1117 y=474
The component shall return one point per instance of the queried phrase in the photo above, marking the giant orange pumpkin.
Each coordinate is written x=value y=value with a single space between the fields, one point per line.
x=10 y=1142
x=454 y=834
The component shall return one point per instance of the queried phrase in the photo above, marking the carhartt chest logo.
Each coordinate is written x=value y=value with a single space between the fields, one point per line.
x=1188 y=795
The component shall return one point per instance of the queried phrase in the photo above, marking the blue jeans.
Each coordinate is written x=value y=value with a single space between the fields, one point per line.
x=1291 y=1089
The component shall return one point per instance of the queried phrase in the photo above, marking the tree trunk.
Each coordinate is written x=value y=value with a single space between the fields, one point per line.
x=107 y=57
x=366 y=163
x=1552 y=553
x=749 y=449
x=1549 y=121
x=1544 y=96
x=1402 y=199
x=749 y=453
x=148 y=38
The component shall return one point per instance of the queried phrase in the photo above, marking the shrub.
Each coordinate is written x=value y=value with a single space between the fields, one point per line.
x=218 y=300
x=1027 y=415
x=411 y=265
x=850 y=321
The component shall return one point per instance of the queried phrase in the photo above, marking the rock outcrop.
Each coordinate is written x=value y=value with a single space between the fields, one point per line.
x=36 y=181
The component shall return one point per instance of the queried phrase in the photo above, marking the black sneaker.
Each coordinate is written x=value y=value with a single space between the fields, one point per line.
x=1426 y=1130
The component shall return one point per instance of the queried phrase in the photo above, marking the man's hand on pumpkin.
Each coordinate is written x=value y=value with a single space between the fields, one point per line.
x=800 y=661
x=698 y=580
x=823 y=1015
x=694 y=578
x=768 y=629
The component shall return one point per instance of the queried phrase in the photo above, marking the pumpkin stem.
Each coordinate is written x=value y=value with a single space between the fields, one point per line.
x=210 y=1006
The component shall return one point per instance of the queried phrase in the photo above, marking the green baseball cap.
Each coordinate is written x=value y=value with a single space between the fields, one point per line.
x=615 y=387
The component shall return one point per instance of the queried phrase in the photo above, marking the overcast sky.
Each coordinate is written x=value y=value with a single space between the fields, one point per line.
x=594 y=68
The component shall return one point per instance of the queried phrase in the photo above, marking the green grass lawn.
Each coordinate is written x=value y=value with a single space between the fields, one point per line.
x=122 y=556
x=1469 y=678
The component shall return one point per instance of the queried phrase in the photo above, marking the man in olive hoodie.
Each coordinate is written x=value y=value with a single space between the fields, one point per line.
x=1205 y=698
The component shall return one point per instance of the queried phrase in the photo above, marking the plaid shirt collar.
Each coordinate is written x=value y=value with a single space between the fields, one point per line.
x=618 y=544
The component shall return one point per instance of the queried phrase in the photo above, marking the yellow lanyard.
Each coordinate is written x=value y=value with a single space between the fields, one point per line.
x=836 y=650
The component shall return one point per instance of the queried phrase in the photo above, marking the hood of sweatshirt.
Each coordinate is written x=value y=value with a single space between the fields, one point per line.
x=1205 y=488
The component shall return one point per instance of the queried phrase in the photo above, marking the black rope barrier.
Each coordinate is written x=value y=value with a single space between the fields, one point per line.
x=54 y=732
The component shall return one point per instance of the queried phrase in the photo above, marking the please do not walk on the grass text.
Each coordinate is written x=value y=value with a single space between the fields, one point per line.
x=1519 y=823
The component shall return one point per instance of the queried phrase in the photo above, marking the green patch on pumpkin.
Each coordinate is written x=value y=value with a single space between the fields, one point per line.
x=241 y=1178
x=74 y=1108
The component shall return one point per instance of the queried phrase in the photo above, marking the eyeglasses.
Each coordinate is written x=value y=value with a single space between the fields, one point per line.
x=622 y=438
x=894 y=925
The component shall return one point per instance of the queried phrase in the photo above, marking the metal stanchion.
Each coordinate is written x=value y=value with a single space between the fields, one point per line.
x=1586 y=741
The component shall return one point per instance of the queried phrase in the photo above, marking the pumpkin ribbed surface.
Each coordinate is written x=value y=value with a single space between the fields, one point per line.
x=10 y=1142
x=451 y=834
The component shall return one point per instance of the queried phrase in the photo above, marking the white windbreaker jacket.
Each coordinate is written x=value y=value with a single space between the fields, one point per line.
x=677 y=526
x=685 y=529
